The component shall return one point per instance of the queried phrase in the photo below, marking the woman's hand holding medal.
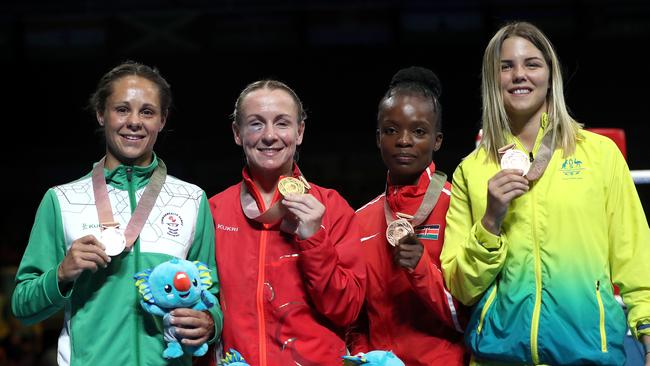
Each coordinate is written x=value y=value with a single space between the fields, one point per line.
x=304 y=212
x=408 y=251
x=86 y=253
x=508 y=184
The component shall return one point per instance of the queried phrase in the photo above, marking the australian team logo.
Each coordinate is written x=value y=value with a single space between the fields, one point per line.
x=571 y=167
x=173 y=223
x=430 y=232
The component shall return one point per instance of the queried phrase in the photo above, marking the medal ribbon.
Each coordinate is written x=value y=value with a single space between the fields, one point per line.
x=271 y=215
x=142 y=209
x=429 y=201
x=544 y=153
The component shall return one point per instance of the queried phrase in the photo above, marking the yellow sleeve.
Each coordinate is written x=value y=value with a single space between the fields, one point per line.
x=471 y=257
x=629 y=241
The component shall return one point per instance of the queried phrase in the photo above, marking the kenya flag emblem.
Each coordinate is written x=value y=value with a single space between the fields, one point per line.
x=430 y=232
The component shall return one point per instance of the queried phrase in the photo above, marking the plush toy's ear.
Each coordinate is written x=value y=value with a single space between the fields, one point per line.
x=233 y=357
x=354 y=360
x=204 y=274
x=142 y=283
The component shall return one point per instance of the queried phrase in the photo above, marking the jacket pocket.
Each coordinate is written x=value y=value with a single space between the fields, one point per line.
x=486 y=307
x=601 y=309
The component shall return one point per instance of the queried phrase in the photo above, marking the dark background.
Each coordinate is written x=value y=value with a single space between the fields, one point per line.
x=338 y=55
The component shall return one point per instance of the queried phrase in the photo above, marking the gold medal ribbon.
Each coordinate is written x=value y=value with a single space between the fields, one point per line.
x=273 y=214
x=142 y=209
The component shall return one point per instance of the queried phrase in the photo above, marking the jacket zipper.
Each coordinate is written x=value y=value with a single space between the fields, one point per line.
x=534 y=328
x=260 y=297
x=601 y=309
x=486 y=306
x=261 y=322
x=132 y=204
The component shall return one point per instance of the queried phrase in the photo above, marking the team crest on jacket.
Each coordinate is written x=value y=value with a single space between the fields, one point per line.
x=173 y=222
x=430 y=232
x=571 y=167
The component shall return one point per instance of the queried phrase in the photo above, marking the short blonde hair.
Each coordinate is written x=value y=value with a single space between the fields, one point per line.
x=269 y=84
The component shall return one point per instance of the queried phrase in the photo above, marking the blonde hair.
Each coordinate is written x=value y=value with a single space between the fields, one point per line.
x=496 y=126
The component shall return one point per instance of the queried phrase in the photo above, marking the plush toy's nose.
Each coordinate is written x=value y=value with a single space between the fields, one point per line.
x=182 y=281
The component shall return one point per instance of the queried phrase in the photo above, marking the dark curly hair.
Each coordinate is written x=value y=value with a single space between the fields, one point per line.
x=416 y=80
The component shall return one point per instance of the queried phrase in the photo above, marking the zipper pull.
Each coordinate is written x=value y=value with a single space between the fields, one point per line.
x=129 y=173
x=530 y=155
x=598 y=285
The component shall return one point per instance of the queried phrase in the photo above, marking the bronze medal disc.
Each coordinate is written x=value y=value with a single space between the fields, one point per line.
x=397 y=230
x=515 y=159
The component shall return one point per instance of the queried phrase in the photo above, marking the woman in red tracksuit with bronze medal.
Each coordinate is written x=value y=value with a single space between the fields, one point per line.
x=288 y=251
x=407 y=309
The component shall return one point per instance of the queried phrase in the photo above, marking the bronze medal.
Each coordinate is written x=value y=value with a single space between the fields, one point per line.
x=398 y=229
x=515 y=159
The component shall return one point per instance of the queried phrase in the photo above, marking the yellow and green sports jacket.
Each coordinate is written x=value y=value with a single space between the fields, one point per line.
x=542 y=290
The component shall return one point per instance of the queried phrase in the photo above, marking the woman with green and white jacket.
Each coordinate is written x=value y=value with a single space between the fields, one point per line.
x=92 y=235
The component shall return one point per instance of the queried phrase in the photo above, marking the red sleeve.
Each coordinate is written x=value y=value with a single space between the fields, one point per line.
x=427 y=281
x=357 y=337
x=332 y=263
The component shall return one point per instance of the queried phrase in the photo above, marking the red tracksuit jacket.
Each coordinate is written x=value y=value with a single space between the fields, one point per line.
x=287 y=301
x=408 y=312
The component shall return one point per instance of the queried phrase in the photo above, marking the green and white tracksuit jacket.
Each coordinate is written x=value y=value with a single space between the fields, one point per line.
x=542 y=290
x=104 y=323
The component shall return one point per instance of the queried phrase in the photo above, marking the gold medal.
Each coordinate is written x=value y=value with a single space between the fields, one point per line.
x=515 y=159
x=397 y=230
x=291 y=185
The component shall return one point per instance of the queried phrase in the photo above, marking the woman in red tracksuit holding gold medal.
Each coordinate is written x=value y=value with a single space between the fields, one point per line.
x=293 y=276
x=407 y=309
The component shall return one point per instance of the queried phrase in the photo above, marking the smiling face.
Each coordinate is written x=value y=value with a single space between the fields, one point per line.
x=407 y=136
x=269 y=131
x=524 y=78
x=175 y=285
x=132 y=119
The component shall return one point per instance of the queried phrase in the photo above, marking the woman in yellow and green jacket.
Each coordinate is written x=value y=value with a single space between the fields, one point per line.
x=535 y=250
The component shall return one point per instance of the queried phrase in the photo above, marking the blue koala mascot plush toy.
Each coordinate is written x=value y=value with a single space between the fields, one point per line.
x=177 y=283
x=373 y=358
